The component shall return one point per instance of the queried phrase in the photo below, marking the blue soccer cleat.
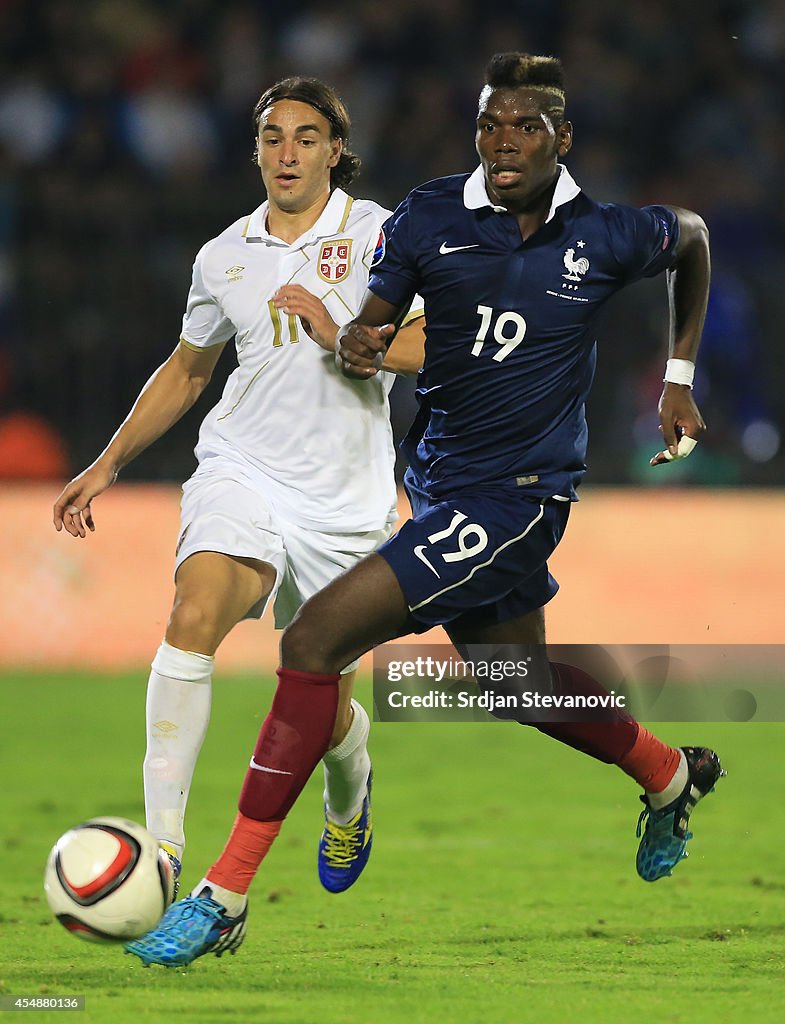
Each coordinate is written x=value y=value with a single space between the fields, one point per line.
x=665 y=836
x=344 y=849
x=189 y=929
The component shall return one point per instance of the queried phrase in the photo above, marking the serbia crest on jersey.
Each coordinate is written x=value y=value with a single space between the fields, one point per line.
x=334 y=260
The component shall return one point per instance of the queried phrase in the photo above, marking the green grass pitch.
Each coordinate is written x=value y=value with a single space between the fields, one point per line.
x=502 y=885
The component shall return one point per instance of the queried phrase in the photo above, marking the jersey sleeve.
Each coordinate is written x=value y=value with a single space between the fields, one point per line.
x=643 y=241
x=394 y=274
x=204 y=322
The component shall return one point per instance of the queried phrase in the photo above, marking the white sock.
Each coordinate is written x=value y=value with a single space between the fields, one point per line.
x=178 y=712
x=674 y=787
x=346 y=769
x=233 y=902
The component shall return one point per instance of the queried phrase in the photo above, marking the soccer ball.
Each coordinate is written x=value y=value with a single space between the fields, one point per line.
x=107 y=880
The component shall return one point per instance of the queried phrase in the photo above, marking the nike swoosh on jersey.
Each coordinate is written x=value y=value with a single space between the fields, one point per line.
x=264 y=768
x=445 y=248
x=419 y=553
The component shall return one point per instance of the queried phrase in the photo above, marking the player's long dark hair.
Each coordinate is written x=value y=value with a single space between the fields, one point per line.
x=324 y=99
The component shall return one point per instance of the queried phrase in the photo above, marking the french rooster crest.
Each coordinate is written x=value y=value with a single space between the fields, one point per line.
x=575 y=267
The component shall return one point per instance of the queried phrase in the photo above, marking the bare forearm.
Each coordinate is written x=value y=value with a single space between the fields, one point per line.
x=170 y=392
x=164 y=399
x=688 y=287
x=406 y=353
x=681 y=421
x=375 y=311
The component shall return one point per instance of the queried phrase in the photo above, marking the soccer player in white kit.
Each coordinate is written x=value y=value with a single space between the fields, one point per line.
x=295 y=477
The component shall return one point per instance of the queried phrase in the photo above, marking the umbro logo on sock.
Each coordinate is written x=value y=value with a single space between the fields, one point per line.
x=164 y=726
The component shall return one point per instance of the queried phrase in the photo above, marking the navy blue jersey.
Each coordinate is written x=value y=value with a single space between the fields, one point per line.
x=510 y=351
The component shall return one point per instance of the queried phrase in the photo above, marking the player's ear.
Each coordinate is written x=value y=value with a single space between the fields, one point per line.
x=336 y=148
x=258 y=151
x=564 y=138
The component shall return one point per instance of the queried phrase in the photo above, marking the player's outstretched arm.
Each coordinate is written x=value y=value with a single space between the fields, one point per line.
x=168 y=394
x=361 y=345
x=406 y=353
x=681 y=422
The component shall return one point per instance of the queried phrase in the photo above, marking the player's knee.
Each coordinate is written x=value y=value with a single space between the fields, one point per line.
x=298 y=646
x=192 y=625
x=306 y=646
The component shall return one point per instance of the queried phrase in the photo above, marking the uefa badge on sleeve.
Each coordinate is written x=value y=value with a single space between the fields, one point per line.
x=381 y=246
x=334 y=260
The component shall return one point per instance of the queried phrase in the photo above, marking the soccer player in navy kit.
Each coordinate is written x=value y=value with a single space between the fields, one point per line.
x=514 y=262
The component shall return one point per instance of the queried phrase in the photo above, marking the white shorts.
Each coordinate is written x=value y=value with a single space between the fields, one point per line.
x=223 y=509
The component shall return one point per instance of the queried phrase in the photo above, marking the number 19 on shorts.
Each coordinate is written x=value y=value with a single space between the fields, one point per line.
x=509 y=331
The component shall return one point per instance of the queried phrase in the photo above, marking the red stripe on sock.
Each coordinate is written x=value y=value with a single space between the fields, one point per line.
x=651 y=762
x=246 y=848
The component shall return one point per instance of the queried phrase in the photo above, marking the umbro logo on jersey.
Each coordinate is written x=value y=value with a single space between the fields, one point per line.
x=446 y=249
x=234 y=273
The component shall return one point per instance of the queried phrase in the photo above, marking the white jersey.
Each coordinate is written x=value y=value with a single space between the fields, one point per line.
x=320 y=443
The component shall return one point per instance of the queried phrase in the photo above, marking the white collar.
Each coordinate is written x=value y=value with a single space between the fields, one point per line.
x=475 y=195
x=332 y=220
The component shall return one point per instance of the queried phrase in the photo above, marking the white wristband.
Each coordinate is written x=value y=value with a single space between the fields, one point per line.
x=679 y=371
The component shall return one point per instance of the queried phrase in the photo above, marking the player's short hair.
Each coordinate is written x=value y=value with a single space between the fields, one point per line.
x=329 y=104
x=517 y=70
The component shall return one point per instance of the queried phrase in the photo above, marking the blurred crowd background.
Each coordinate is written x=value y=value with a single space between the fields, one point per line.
x=125 y=143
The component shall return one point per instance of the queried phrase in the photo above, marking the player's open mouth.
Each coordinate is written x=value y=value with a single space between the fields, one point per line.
x=286 y=179
x=505 y=176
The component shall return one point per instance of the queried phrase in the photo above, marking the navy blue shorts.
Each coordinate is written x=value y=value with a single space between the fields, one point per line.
x=484 y=553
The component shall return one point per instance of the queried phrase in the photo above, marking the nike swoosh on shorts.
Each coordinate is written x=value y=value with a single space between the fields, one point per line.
x=419 y=553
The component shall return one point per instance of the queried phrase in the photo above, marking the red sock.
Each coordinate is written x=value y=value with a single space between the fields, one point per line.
x=245 y=850
x=651 y=762
x=294 y=737
x=611 y=733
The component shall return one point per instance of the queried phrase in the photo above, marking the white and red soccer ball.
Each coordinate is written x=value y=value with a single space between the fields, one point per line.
x=107 y=880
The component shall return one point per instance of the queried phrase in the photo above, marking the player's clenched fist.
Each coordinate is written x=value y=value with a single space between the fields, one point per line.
x=360 y=350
